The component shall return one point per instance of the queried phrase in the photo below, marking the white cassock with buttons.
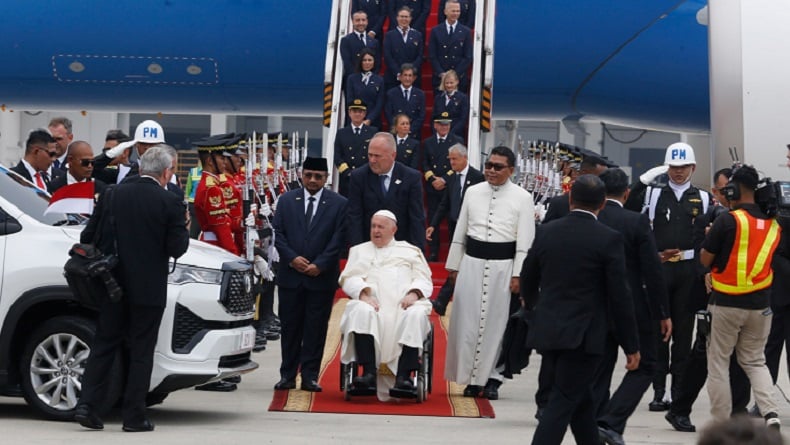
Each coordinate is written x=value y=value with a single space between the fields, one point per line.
x=481 y=303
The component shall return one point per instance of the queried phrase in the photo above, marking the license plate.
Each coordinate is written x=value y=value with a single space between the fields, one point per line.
x=247 y=339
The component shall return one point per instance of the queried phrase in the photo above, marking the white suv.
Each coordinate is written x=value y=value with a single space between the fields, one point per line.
x=45 y=333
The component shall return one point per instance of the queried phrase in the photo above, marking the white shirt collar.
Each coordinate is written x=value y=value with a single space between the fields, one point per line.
x=70 y=179
x=465 y=170
x=615 y=201
x=317 y=195
x=586 y=211
x=389 y=173
x=32 y=171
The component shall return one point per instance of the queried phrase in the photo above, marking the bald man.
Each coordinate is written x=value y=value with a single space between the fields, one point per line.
x=79 y=158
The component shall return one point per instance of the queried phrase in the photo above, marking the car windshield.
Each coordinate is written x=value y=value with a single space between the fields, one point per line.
x=31 y=200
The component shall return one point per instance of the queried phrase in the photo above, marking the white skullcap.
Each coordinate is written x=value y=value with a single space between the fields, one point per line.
x=387 y=214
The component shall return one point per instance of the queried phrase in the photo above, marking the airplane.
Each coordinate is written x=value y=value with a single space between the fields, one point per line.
x=642 y=64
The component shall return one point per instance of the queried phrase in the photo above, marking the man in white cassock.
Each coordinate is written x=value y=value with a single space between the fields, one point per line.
x=386 y=321
x=495 y=229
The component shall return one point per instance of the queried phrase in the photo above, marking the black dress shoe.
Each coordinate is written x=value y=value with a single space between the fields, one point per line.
x=658 y=403
x=88 y=418
x=285 y=384
x=404 y=384
x=365 y=381
x=311 y=385
x=609 y=436
x=220 y=386
x=472 y=391
x=145 y=425
x=491 y=390
x=439 y=307
x=680 y=423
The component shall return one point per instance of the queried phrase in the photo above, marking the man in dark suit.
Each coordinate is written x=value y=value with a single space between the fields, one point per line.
x=407 y=99
x=467 y=16
x=61 y=130
x=436 y=169
x=353 y=42
x=651 y=305
x=376 y=12
x=450 y=47
x=450 y=207
x=310 y=233
x=145 y=226
x=420 y=9
x=385 y=184
x=79 y=158
x=558 y=205
x=571 y=318
x=351 y=144
x=402 y=44
x=36 y=165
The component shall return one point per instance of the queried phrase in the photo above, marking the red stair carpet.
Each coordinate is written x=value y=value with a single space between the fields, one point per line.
x=445 y=400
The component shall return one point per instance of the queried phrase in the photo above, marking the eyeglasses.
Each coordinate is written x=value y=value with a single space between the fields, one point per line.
x=308 y=175
x=86 y=162
x=496 y=167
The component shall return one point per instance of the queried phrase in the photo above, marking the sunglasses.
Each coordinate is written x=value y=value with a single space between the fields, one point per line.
x=86 y=162
x=52 y=154
x=496 y=167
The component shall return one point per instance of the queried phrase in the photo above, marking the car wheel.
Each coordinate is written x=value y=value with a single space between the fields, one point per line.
x=53 y=363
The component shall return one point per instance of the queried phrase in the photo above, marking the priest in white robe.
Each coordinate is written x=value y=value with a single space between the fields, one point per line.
x=386 y=322
x=495 y=229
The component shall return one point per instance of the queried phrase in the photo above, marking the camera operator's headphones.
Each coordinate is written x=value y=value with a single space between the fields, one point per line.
x=732 y=191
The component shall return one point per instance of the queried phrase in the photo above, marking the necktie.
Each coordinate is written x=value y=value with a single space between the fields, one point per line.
x=401 y=142
x=356 y=131
x=383 y=179
x=441 y=141
x=308 y=215
x=362 y=38
x=405 y=33
x=449 y=98
x=406 y=94
x=452 y=28
x=40 y=181
x=461 y=185
x=56 y=163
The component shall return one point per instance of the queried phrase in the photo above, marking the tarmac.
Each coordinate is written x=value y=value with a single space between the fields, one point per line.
x=192 y=417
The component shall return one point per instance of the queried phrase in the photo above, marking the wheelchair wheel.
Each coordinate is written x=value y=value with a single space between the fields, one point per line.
x=428 y=362
x=421 y=385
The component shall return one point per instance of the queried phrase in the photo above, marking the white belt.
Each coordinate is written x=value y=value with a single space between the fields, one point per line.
x=211 y=236
x=682 y=256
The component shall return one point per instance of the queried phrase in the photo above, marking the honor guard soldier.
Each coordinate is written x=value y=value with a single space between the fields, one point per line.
x=210 y=206
x=672 y=204
x=351 y=143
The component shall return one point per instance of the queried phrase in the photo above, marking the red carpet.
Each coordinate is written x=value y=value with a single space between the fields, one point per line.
x=445 y=400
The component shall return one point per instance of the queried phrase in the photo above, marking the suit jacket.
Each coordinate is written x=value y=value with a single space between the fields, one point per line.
x=149 y=228
x=450 y=52
x=56 y=173
x=420 y=9
x=450 y=205
x=458 y=109
x=350 y=46
x=404 y=199
x=397 y=52
x=372 y=94
x=467 y=12
x=414 y=107
x=434 y=158
x=409 y=152
x=62 y=181
x=320 y=243
x=376 y=11
x=573 y=278
x=559 y=206
x=651 y=301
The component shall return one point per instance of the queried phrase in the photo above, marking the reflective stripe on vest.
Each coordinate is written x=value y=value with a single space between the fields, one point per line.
x=753 y=247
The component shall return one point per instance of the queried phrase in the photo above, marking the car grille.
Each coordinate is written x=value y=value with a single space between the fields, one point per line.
x=189 y=329
x=237 y=296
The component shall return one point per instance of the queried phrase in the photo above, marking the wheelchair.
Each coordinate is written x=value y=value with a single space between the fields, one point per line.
x=422 y=379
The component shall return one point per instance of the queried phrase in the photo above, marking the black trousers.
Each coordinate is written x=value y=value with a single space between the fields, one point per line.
x=778 y=337
x=694 y=378
x=433 y=197
x=304 y=317
x=138 y=326
x=571 y=399
x=614 y=413
x=680 y=278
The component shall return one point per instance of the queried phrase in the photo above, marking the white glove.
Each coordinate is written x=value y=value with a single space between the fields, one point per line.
x=118 y=149
x=250 y=220
x=648 y=176
x=540 y=212
x=266 y=210
x=262 y=268
x=254 y=236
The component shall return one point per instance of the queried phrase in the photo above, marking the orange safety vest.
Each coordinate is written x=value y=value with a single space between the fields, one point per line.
x=749 y=266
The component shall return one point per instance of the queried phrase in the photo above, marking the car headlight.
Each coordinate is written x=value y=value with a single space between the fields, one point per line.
x=191 y=274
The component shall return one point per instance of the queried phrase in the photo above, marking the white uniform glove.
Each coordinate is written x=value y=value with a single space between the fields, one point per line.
x=118 y=149
x=648 y=176
x=266 y=210
x=274 y=206
x=250 y=220
x=262 y=268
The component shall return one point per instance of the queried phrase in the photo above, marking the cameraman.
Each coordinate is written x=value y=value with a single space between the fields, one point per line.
x=739 y=249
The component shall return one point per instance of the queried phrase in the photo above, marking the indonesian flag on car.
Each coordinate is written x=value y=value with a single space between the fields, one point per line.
x=72 y=198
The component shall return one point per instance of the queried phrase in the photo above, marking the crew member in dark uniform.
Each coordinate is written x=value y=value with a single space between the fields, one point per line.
x=351 y=143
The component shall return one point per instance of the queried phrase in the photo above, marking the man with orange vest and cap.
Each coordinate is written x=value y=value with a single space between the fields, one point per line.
x=739 y=249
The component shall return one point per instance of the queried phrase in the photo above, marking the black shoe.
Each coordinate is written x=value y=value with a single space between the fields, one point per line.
x=491 y=390
x=285 y=384
x=472 y=391
x=365 y=381
x=404 y=384
x=772 y=421
x=145 y=425
x=311 y=385
x=680 y=423
x=658 y=403
x=88 y=418
x=609 y=436
x=439 y=307
x=220 y=386
x=260 y=342
x=234 y=379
